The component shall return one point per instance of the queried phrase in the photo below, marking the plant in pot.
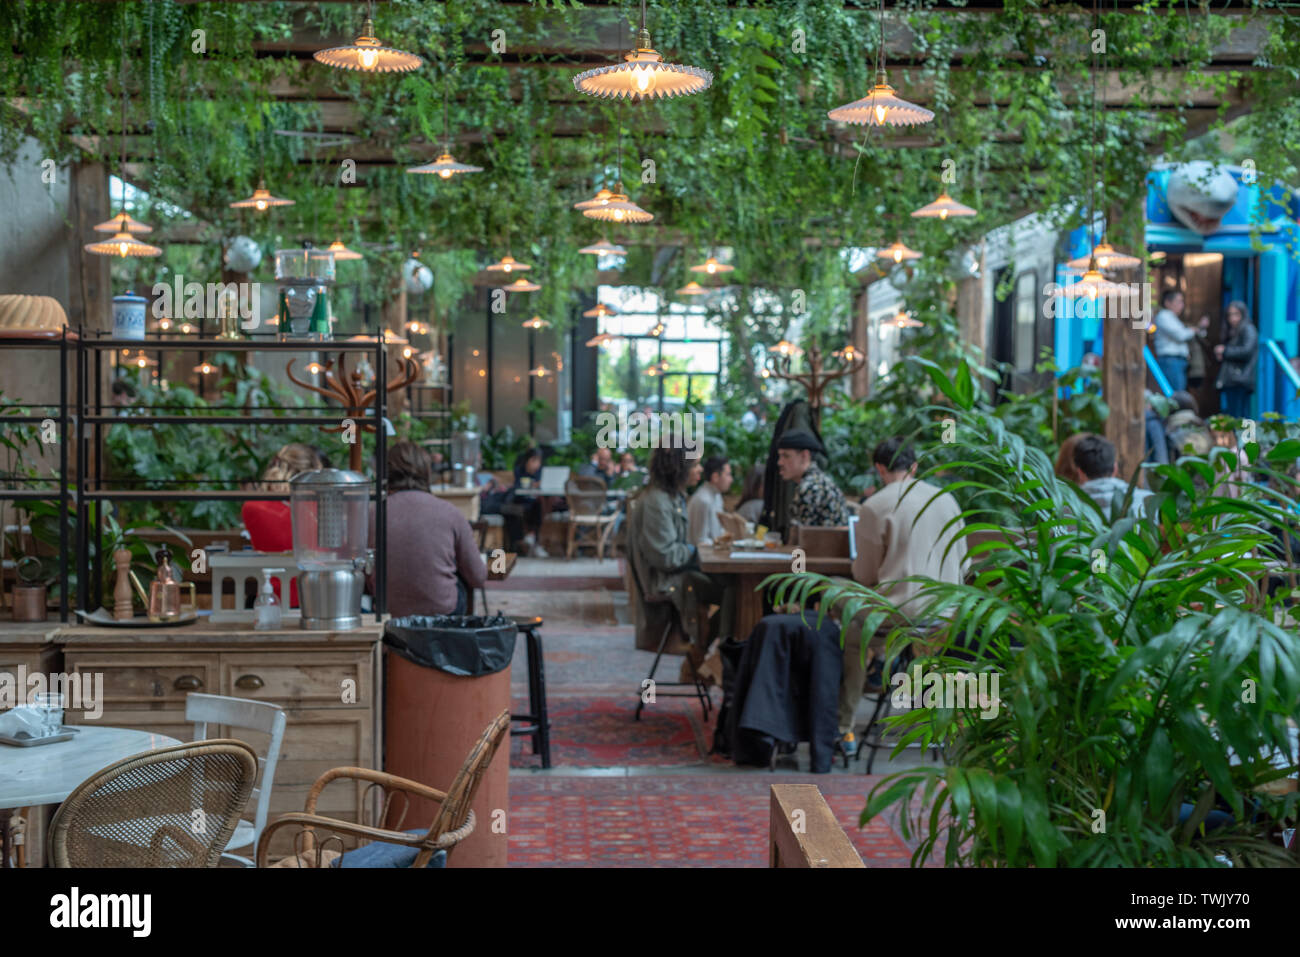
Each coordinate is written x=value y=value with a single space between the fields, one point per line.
x=1142 y=670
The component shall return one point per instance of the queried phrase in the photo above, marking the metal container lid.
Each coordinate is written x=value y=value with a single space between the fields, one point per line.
x=328 y=478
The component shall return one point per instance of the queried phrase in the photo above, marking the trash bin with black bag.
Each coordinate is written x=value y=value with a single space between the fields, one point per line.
x=446 y=678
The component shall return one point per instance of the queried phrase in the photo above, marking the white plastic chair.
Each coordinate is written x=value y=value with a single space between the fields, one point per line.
x=206 y=709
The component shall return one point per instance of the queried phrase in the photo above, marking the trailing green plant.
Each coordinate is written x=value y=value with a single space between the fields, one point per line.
x=1146 y=674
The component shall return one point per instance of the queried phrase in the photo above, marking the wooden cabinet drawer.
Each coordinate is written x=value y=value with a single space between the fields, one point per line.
x=316 y=679
x=147 y=682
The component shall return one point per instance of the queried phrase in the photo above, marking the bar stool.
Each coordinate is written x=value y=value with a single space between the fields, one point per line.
x=536 y=724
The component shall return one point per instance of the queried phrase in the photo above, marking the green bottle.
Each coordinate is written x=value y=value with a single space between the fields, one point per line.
x=320 y=317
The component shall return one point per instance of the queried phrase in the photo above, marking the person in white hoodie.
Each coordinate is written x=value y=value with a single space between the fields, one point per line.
x=1171 y=338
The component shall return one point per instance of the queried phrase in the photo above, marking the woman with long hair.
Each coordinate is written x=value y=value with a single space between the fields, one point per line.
x=1238 y=352
x=751 y=496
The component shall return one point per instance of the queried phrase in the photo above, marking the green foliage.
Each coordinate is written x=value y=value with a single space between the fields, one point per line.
x=1141 y=666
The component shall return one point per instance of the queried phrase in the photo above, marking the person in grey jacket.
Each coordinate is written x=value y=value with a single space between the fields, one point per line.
x=1238 y=353
x=1098 y=476
x=664 y=560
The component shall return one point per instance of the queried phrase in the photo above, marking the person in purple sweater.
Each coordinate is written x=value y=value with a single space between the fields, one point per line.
x=433 y=559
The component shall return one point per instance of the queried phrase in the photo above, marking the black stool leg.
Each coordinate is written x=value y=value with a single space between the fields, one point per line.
x=537 y=698
x=659 y=653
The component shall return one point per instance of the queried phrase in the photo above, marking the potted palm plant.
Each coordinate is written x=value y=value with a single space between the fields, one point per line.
x=1146 y=674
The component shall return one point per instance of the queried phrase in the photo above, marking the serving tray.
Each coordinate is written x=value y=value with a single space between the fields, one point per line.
x=105 y=618
x=64 y=734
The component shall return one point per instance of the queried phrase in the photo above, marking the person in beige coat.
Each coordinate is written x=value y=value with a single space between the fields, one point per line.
x=900 y=534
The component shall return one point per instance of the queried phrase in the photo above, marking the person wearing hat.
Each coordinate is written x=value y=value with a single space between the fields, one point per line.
x=817 y=500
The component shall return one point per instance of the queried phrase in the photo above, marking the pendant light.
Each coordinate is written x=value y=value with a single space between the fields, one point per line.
x=1106 y=257
x=206 y=368
x=643 y=75
x=1093 y=285
x=602 y=197
x=522 y=285
x=261 y=200
x=508 y=264
x=786 y=349
x=902 y=320
x=367 y=55
x=600 y=311
x=897 y=252
x=341 y=252
x=618 y=208
x=600 y=339
x=944 y=207
x=124 y=229
x=712 y=267
x=692 y=288
x=445 y=165
x=536 y=322
x=882 y=106
x=603 y=248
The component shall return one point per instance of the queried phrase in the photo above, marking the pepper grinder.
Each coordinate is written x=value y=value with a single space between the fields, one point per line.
x=123 y=608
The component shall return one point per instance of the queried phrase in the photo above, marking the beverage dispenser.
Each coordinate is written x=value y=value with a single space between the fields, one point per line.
x=331 y=522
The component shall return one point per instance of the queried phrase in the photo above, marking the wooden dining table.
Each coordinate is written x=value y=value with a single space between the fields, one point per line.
x=748 y=573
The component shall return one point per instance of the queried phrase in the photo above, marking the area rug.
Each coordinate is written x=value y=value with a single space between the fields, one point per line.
x=599 y=732
x=674 y=820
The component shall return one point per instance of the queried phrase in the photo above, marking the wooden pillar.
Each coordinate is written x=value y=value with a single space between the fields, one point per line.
x=1123 y=384
x=90 y=291
x=860 y=381
x=970 y=307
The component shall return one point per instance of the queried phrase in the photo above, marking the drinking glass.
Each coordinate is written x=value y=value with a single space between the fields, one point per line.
x=50 y=705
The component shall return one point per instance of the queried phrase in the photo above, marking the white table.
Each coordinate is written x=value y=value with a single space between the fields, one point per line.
x=48 y=773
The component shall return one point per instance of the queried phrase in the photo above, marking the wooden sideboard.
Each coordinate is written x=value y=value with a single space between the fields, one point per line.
x=329 y=683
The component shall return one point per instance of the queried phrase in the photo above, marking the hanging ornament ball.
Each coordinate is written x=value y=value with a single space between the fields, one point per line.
x=243 y=254
x=417 y=276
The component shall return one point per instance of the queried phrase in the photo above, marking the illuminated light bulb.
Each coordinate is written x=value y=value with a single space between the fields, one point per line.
x=142 y=362
x=711 y=268
x=368 y=59
x=475 y=353
x=122 y=247
x=943 y=214
x=164 y=324
x=261 y=204
x=618 y=215
x=445 y=173
x=482 y=373
x=880 y=113
x=898 y=255
x=314 y=368
x=186 y=328
x=644 y=78
x=408 y=352
x=506 y=268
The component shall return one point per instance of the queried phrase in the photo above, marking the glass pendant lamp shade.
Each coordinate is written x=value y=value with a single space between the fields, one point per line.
x=508 y=264
x=1106 y=257
x=536 y=322
x=785 y=348
x=261 y=200
x=603 y=248
x=944 y=207
x=602 y=197
x=881 y=107
x=600 y=339
x=123 y=223
x=643 y=75
x=897 y=253
x=445 y=166
x=367 y=55
x=600 y=311
x=692 y=288
x=712 y=267
x=522 y=285
x=341 y=252
x=619 y=209
x=902 y=320
x=124 y=245
x=1093 y=285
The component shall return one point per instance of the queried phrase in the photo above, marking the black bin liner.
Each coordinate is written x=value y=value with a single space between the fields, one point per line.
x=467 y=645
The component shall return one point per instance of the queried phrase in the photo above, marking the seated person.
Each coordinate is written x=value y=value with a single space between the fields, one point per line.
x=1186 y=431
x=269 y=525
x=751 y=496
x=900 y=534
x=665 y=561
x=523 y=513
x=702 y=512
x=433 y=559
x=601 y=466
x=1064 y=466
x=627 y=465
x=1097 y=472
x=817 y=500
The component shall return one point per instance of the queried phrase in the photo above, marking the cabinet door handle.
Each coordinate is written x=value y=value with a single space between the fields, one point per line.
x=249 y=682
x=187 y=683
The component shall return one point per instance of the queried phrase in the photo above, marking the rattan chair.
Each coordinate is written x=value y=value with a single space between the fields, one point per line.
x=586 y=496
x=172 y=807
x=452 y=824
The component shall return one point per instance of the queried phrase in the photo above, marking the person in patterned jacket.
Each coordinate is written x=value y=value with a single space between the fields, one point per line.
x=817 y=500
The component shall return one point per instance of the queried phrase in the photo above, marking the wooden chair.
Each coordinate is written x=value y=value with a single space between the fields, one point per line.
x=586 y=497
x=172 y=807
x=452 y=824
x=243 y=713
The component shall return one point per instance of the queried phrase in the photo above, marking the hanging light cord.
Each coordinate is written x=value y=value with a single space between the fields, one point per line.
x=1092 y=141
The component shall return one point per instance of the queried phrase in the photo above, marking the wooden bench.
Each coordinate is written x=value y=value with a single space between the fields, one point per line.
x=804 y=832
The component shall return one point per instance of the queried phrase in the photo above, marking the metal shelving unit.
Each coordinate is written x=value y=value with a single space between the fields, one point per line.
x=65 y=342
x=90 y=424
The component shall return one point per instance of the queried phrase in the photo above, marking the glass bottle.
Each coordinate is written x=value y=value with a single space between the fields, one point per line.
x=165 y=592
